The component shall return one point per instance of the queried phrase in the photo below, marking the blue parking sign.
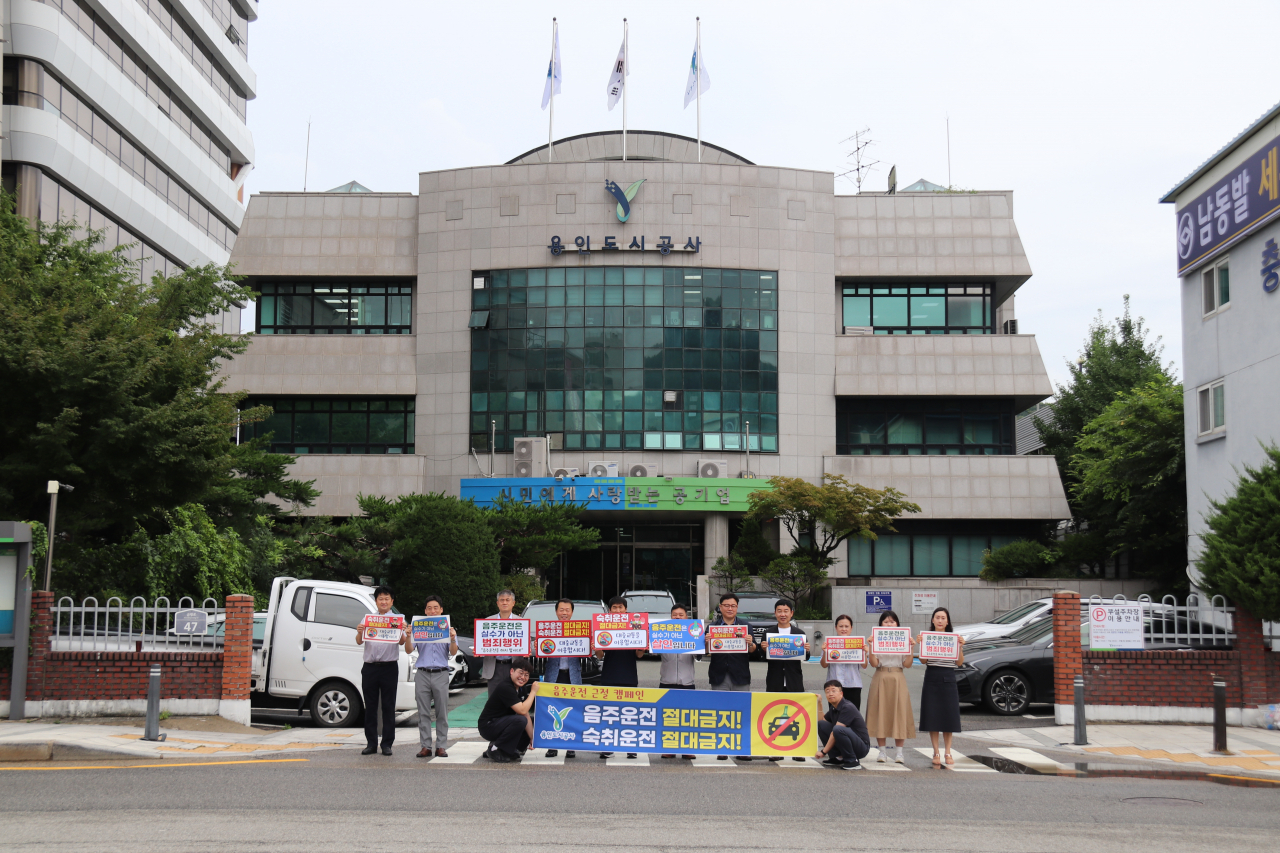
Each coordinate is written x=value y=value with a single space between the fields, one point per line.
x=879 y=602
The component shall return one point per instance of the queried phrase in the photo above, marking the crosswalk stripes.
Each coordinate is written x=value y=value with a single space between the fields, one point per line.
x=963 y=763
x=619 y=759
x=1030 y=758
x=463 y=752
x=710 y=761
x=539 y=757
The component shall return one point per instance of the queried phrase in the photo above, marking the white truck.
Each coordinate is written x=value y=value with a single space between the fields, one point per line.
x=309 y=658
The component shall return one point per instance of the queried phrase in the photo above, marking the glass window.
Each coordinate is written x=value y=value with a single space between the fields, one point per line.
x=916 y=310
x=339 y=610
x=893 y=555
x=889 y=311
x=928 y=311
x=923 y=425
x=859 y=557
x=932 y=555
x=639 y=330
x=966 y=554
x=857 y=311
x=964 y=311
x=353 y=307
x=346 y=424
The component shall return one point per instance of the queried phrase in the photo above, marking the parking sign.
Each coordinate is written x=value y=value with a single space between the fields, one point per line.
x=879 y=602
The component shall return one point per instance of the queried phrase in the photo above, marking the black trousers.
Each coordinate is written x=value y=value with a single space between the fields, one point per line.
x=848 y=745
x=854 y=695
x=507 y=734
x=378 y=683
x=784 y=677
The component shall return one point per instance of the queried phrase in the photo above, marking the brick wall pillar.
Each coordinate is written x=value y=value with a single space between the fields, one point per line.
x=237 y=659
x=41 y=628
x=1067 y=654
x=1255 y=685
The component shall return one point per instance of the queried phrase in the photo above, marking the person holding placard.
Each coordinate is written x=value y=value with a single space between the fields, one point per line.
x=848 y=674
x=785 y=676
x=676 y=672
x=507 y=719
x=731 y=670
x=888 y=701
x=563 y=670
x=619 y=667
x=431 y=685
x=494 y=669
x=939 y=698
x=379 y=675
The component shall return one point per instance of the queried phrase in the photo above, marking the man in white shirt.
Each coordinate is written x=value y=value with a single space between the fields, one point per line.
x=378 y=678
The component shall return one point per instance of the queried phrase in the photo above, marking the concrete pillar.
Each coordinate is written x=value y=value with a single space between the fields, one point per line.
x=715 y=539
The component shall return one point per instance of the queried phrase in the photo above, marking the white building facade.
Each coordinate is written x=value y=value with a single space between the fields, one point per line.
x=129 y=116
x=1227 y=214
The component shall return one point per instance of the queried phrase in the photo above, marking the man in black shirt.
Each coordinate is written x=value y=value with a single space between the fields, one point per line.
x=507 y=719
x=619 y=667
x=843 y=733
x=731 y=670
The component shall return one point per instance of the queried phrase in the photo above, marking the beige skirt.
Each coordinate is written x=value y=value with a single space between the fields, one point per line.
x=889 y=706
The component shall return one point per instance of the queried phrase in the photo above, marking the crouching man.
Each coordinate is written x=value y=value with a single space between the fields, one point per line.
x=507 y=719
x=843 y=733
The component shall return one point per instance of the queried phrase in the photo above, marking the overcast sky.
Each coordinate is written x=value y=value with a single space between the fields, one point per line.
x=1089 y=112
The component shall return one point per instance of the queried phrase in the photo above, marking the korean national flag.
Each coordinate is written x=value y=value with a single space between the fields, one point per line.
x=692 y=89
x=618 y=78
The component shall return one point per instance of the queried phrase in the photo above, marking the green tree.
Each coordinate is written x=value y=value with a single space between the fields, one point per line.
x=752 y=548
x=1241 y=555
x=531 y=536
x=419 y=545
x=1130 y=479
x=794 y=576
x=119 y=396
x=1116 y=358
x=1020 y=559
x=731 y=574
x=821 y=518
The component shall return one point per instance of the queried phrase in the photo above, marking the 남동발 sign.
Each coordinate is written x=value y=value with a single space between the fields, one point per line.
x=677 y=636
x=619 y=631
x=784 y=646
x=702 y=722
x=430 y=629
x=936 y=645
x=845 y=649
x=1115 y=627
x=891 y=641
x=1219 y=217
x=382 y=629
x=556 y=639
x=502 y=637
x=727 y=638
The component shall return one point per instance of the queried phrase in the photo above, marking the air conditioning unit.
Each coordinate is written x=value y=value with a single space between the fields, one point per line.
x=713 y=468
x=602 y=468
x=531 y=457
x=746 y=475
x=859 y=330
x=561 y=473
x=1011 y=327
x=642 y=469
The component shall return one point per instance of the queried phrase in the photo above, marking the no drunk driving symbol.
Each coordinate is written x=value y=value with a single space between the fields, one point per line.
x=783 y=725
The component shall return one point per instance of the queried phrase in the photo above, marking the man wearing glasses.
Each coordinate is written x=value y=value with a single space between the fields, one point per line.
x=731 y=670
x=507 y=719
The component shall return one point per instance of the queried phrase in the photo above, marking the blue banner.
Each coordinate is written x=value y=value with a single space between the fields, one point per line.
x=430 y=629
x=677 y=636
x=699 y=722
x=1221 y=216
x=784 y=647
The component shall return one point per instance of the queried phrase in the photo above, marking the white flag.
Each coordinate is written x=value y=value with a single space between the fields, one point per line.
x=618 y=78
x=692 y=89
x=553 y=72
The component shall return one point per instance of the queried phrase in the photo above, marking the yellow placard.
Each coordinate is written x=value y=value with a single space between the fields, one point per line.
x=784 y=724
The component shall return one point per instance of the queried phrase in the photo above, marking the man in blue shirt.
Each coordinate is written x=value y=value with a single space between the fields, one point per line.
x=431 y=685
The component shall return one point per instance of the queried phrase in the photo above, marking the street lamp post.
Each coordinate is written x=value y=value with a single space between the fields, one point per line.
x=54 y=487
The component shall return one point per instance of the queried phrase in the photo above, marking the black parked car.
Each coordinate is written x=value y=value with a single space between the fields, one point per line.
x=1011 y=673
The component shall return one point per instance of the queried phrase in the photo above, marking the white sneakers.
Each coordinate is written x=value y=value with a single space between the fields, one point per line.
x=898 y=757
x=881 y=758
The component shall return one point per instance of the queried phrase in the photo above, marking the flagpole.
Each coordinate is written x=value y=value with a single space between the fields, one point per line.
x=626 y=67
x=551 y=123
x=698 y=88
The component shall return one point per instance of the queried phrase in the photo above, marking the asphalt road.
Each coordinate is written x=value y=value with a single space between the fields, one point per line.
x=341 y=801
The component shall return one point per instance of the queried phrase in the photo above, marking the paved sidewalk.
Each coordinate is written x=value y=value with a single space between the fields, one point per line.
x=1254 y=750
x=45 y=741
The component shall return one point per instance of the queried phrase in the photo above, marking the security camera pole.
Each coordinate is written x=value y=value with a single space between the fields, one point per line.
x=54 y=487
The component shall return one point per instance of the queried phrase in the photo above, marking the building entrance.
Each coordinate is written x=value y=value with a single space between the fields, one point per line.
x=662 y=557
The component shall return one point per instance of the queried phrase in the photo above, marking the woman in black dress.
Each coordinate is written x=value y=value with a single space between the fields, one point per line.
x=939 y=698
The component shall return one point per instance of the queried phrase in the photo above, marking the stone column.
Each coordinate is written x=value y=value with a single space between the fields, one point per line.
x=237 y=659
x=1068 y=658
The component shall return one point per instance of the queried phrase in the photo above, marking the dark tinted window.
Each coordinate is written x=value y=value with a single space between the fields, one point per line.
x=339 y=610
x=300 y=599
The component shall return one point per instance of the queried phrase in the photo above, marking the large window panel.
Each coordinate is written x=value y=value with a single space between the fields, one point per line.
x=363 y=425
x=345 y=307
x=924 y=425
x=931 y=310
x=893 y=555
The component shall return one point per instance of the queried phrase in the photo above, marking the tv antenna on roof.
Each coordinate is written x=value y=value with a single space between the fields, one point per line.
x=861 y=170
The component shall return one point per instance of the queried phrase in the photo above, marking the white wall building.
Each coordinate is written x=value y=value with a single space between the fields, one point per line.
x=129 y=116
